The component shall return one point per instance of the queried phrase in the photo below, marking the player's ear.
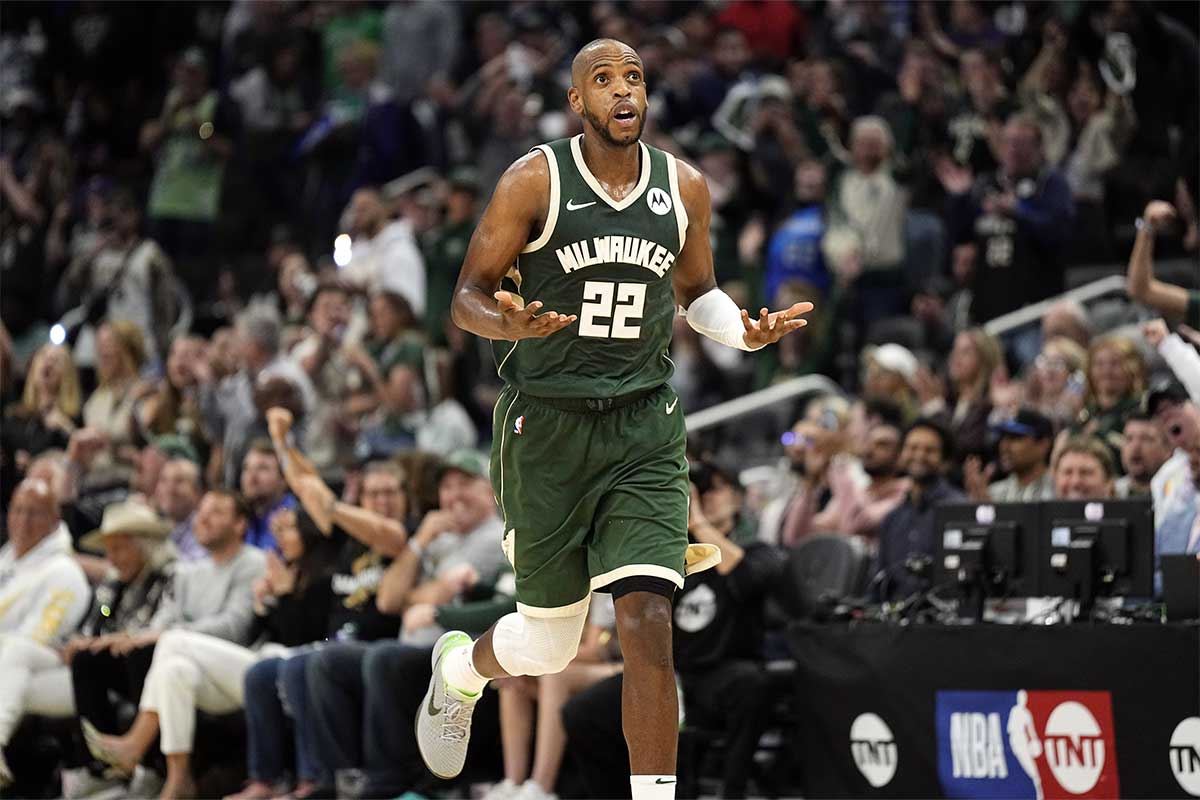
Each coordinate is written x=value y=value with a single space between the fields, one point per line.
x=575 y=100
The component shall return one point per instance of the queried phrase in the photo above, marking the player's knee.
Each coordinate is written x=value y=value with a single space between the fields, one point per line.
x=535 y=645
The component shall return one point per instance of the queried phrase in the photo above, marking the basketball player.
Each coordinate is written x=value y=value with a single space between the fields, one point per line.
x=607 y=236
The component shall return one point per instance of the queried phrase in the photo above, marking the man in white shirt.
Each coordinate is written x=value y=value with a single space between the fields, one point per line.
x=43 y=592
x=383 y=252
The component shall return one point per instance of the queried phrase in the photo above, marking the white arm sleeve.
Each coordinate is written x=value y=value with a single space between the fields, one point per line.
x=715 y=315
x=1183 y=360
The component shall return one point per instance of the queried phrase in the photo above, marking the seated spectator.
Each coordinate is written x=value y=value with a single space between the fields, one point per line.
x=1055 y=384
x=394 y=337
x=1025 y=442
x=383 y=252
x=120 y=354
x=907 y=533
x=718 y=640
x=857 y=507
x=464 y=529
x=1180 y=356
x=1178 y=416
x=1165 y=298
x=405 y=420
x=43 y=596
x=375 y=534
x=965 y=407
x=214 y=596
x=890 y=375
x=1116 y=379
x=176 y=496
x=1070 y=320
x=49 y=409
x=1084 y=469
x=1144 y=450
x=134 y=541
x=813 y=444
x=174 y=407
x=194 y=671
x=1177 y=528
x=263 y=487
x=527 y=699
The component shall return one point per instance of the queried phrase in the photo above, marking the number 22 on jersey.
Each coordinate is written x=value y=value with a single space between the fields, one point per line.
x=612 y=310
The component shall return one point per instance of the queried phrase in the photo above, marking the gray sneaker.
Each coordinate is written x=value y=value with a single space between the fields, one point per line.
x=443 y=723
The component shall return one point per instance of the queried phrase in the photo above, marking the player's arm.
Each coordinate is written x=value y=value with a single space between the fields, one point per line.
x=709 y=310
x=517 y=208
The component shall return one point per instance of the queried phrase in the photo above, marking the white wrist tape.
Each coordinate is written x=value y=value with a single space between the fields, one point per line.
x=715 y=315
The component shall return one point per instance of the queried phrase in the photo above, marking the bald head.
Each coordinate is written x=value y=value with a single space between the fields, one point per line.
x=32 y=514
x=597 y=51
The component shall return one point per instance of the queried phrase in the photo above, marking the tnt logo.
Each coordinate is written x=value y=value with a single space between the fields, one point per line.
x=1185 y=755
x=519 y=425
x=874 y=749
x=1026 y=744
x=659 y=201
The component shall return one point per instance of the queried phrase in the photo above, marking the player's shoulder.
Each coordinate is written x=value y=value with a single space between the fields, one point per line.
x=693 y=188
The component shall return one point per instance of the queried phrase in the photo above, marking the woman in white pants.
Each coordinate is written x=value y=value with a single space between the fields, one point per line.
x=35 y=677
x=194 y=671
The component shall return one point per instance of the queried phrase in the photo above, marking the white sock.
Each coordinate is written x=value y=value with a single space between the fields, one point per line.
x=652 y=787
x=459 y=671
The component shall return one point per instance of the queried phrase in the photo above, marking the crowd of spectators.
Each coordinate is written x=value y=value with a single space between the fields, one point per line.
x=213 y=211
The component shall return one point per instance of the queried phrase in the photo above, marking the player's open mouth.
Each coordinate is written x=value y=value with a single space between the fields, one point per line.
x=625 y=115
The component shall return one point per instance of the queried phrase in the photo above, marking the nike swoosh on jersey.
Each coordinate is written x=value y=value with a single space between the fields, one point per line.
x=671 y=406
x=572 y=207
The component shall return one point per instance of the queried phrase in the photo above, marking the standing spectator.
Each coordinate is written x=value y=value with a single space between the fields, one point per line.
x=1025 y=442
x=1144 y=451
x=907 y=533
x=125 y=277
x=1018 y=217
x=1084 y=469
x=421 y=41
x=228 y=403
x=176 y=495
x=190 y=141
x=794 y=250
x=446 y=246
x=1116 y=379
x=266 y=492
x=870 y=208
x=343 y=376
x=383 y=252
x=393 y=337
x=43 y=596
x=730 y=58
x=974 y=126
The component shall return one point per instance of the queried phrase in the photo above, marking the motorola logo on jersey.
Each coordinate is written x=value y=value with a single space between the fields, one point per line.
x=1030 y=744
x=874 y=749
x=659 y=201
x=1184 y=753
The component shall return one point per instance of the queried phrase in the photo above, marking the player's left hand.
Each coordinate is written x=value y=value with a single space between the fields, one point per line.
x=771 y=327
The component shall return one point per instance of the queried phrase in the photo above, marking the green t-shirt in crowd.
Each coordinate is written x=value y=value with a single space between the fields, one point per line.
x=187 y=183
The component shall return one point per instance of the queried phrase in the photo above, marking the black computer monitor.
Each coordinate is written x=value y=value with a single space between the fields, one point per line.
x=1098 y=548
x=987 y=550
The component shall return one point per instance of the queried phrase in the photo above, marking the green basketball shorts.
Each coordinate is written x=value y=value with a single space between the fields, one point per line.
x=589 y=497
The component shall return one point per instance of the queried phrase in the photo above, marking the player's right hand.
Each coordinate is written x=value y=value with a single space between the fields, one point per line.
x=523 y=322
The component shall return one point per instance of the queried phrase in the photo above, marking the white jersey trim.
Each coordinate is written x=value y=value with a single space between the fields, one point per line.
x=555 y=196
x=681 y=216
x=594 y=185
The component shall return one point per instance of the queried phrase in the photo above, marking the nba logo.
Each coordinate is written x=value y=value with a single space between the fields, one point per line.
x=519 y=425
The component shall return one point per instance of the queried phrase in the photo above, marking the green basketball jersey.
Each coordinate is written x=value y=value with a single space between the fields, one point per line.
x=609 y=263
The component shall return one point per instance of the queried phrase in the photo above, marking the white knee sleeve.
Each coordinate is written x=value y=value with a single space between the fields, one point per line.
x=537 y=645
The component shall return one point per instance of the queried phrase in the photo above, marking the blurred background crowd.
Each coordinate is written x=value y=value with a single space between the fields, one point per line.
x=213 y=209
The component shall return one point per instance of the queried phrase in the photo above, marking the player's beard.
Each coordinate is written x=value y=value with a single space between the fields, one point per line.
x=601 y=128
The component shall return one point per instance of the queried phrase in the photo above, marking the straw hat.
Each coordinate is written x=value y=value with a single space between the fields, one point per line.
x=129 y=517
